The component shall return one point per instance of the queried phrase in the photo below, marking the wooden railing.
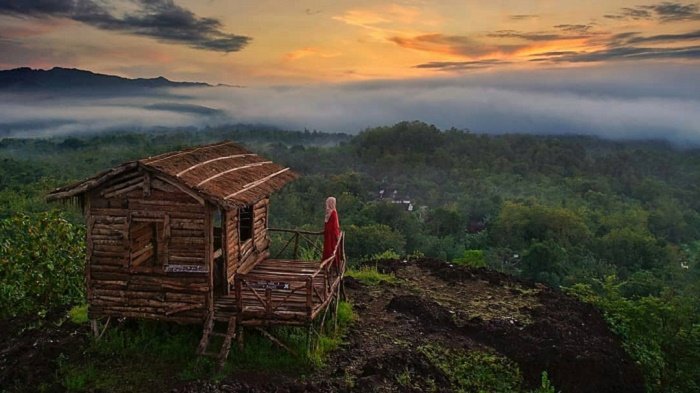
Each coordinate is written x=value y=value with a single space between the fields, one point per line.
x=298 y=238
x=302 y=293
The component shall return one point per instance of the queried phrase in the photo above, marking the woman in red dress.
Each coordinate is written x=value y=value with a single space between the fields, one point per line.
x=331 y=230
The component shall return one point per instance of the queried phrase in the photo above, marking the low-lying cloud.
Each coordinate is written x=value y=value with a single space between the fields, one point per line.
x=655 y=101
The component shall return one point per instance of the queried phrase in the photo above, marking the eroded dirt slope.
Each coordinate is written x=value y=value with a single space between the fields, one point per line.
x=436 y=303
x=432 y=303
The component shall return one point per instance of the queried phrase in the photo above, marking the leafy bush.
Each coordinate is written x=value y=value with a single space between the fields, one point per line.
x=364 y=241
x=473 y=258
x=42 y=258
x=661 y=333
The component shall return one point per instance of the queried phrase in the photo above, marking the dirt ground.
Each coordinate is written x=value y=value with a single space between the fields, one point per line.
x=431 y=303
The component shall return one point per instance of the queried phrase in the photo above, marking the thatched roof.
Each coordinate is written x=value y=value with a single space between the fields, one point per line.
x=223 y=173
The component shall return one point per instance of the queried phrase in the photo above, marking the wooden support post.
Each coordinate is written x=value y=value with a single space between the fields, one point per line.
x=337 y=303
x=239 y=337
x=268 y=301
x=226 y=346
x=296 y=245
x=93 y=327
x=309 y=294
x=275 y=340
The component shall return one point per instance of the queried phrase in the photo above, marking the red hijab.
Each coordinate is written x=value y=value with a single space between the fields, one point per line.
x=331 y=229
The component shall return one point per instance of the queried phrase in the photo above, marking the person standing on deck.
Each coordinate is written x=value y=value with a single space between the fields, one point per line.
x=331 y=230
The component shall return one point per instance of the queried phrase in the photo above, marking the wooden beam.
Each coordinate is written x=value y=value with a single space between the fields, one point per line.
x=232 y=170
x=182 y=172
x=182 y=188
x=256 y=183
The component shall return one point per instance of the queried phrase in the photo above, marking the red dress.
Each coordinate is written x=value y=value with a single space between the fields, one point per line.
x=331 y=233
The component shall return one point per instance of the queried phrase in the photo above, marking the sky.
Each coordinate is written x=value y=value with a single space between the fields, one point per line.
x=612 y=68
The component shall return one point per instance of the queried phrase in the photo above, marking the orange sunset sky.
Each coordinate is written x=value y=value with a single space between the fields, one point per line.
x=296 y=42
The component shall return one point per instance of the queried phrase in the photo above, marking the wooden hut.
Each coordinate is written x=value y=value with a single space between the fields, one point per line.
x=184 y=237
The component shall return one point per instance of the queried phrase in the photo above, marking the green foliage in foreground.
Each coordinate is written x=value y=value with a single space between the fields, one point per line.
x=78 y=314
x=661 y=333
x=476 y=371
x=41 y=263
x=150 y=356
x=369 y=275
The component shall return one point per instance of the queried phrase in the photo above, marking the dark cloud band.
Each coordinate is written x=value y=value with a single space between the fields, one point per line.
x=666 y=11
x=160 y=19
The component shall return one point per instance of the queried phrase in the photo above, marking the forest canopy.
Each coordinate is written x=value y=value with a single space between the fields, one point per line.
x=615 y=223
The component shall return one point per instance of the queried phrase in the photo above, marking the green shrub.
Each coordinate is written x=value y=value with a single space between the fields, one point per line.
x=42 y=260
x=369 y=275
x=79 y=314
x=472 y=258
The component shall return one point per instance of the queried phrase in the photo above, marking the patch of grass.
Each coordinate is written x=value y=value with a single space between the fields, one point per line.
x=152 y=356
x=332 y=338
x=78 y=314
x=369 y=275
x=143 y=355
x=475 y=371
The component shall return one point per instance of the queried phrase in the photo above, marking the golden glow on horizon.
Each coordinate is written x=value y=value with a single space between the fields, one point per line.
x=307 y=41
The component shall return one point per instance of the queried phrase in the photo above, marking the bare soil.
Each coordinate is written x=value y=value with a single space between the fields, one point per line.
x=431 y=303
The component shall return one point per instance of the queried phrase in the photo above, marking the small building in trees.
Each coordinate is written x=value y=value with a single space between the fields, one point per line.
x=184 y=237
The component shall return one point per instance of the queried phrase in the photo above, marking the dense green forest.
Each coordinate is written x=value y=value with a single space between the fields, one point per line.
x=614 y=223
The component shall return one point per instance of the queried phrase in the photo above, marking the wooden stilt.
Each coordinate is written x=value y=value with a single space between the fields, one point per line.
x=239 y=337
x=337 y=304
x=104 y=329
x=93 y=327
x=226 y=346
x=204 y=342
x=275 y=340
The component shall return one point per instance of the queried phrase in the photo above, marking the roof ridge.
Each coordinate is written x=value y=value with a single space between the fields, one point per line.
x=151 y=160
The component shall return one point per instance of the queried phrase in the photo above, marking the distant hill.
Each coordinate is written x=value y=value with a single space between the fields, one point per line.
x=58 y=78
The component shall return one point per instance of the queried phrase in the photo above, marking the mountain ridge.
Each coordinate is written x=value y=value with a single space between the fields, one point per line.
x=60 y=78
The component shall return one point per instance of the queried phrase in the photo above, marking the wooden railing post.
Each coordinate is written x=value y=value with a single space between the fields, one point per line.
x=309 y=294
x=237 y=287
x=296 y=245
x=268 y=301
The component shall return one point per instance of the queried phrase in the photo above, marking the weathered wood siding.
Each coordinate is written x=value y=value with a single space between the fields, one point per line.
x=121 y=283
x=255 y=249
x=232 y=246
x=260 y=235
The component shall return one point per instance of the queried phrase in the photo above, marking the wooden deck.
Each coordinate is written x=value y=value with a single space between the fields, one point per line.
x=282 y=291
x=276 y=292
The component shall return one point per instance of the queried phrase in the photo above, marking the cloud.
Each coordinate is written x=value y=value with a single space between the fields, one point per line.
x=568 y=32
x=625 y=46
x=463 y=65
x=627 y=100
x=666 y=11
x=630 y=53
x=578 y=29
x=453 y=45
x=162 y=20
x=690 y=36
x=523 y=17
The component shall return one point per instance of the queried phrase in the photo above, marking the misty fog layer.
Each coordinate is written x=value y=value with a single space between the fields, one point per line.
x=656 y=101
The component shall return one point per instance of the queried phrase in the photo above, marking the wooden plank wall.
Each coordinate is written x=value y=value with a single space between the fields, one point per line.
x=255 y=249
x=260 y=236
x=232 y=246
x=118 y=289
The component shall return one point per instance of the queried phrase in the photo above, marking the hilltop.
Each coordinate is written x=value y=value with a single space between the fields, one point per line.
x=433 y=327
x=59 y=78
